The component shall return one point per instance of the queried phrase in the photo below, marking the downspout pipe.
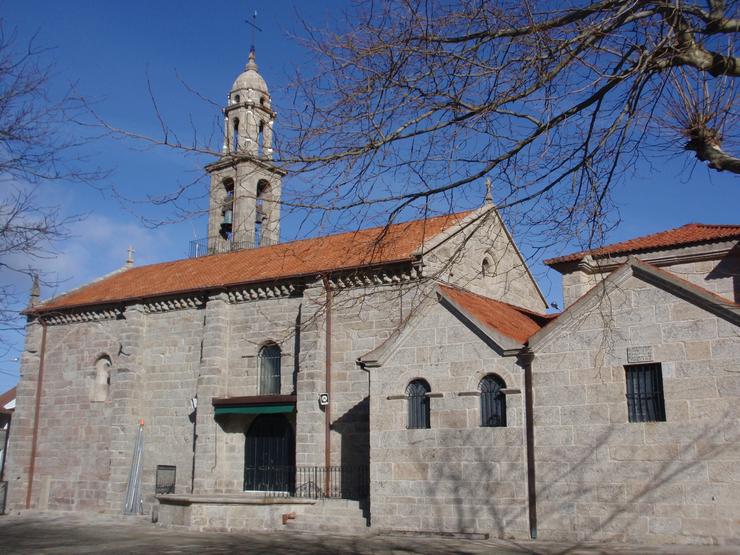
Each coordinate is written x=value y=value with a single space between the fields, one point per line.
x=524 y=359
x=327 y=408
x=37 y=413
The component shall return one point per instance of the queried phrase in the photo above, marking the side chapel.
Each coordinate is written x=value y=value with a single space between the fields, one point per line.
x=404 y=378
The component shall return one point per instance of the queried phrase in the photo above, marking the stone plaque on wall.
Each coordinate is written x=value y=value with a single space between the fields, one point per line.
x=639 y=354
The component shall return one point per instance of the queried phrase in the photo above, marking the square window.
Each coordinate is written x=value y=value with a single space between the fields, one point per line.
x=645 y=401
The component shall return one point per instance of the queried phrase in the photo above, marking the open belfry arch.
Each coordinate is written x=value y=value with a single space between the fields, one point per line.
x=244 y=210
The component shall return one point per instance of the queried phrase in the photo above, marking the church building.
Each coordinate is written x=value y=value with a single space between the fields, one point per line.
x=404 y=378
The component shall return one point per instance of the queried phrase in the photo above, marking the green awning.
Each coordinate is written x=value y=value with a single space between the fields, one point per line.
x=255 y=409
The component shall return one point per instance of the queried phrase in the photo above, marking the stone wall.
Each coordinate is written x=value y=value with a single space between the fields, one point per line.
x=600 y=476
x=459 y=260
x=715 y=267
x=72 y=467
x=456 y=476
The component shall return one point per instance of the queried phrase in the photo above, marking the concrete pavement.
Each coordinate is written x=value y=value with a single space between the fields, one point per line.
x=74 y=533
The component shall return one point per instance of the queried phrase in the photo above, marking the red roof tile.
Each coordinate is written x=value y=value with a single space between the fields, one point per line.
x=367 y=247
x=688 y=234
x=6 y=398
x=512 y=321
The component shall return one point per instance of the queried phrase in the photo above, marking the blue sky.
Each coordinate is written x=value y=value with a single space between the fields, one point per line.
x=107 y=49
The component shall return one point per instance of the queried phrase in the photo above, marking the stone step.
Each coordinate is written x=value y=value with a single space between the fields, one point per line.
x=326 y=526
x=340 y=516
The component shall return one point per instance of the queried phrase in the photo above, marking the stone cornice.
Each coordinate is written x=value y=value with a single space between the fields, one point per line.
x=663 y=257
x=76 y=316
x=232 y=160
x=173 y=303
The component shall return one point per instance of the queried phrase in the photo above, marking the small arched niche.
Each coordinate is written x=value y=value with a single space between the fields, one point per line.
x=101 y=386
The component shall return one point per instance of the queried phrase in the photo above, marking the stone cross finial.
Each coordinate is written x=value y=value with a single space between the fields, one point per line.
x=130 y=259
x=253 y=24
x=489 y=195
x=33 y=298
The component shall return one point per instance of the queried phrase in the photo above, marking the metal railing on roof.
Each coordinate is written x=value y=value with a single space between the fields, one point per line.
x=207 y=246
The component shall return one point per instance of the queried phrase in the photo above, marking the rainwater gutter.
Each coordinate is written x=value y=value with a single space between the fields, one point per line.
x=37 y=413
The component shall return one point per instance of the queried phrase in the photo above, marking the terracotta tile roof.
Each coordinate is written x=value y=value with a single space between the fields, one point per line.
x=344 y=251
x=688 y=234
x=512 y=321
x=6 y=398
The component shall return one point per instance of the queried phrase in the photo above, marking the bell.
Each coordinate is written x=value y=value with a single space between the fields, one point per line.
x=226 y=223
x=227 y=218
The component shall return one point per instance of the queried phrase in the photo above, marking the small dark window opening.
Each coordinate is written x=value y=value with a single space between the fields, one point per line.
x=492 y=401
x=237 y=99
x=235 y=145
x=418 y=404
x=486 y=267
x=645 y=401
x=260 y=137
x=262 y=100
x=269 y=363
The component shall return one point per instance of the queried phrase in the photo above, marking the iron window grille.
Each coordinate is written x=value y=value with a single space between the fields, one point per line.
x=492 y=402
x=269 y=367
x=418 y=404
x=165 y=480
x=645 y=400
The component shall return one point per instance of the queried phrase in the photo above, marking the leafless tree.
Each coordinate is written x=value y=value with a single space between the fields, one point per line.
x=412 y=103
x=36 y=147
x=417 y=100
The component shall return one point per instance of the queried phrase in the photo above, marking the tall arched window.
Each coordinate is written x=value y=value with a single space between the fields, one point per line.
x=269 y=366
x=492 y=401
x=235 y=144
x=418 y=403
x=260 y=137
x=263 y=191
x=101 y=386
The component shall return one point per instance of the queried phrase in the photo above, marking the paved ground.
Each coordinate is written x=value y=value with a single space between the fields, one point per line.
x=64 y=533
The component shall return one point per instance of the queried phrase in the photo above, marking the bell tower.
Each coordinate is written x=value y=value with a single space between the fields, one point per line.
x=245 y=190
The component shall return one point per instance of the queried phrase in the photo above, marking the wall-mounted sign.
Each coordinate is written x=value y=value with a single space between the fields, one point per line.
x=639 y=354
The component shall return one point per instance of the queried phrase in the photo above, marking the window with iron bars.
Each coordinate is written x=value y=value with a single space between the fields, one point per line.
x=492 y=401
x=645 y=401
x=418 y=404
x=269 y=368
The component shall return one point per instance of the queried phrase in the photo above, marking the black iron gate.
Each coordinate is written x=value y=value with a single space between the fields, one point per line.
x=269 y=455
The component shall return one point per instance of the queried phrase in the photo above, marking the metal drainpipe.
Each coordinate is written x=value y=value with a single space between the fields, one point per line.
x=525 y=358
x=327 y=408
x=37 y=412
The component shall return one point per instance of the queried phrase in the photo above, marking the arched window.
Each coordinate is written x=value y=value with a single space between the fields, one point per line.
x=237 y=99
x=101 y=386
x=269 y=365
x=418 y=402
x=260 y=137
x=263 y=191
x=235 y=145
x=492 y=401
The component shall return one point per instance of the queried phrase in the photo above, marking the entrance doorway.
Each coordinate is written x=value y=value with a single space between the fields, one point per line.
x=269 y=455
